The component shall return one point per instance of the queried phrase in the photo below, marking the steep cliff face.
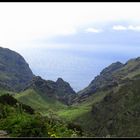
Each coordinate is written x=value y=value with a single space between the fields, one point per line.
x=14 y=71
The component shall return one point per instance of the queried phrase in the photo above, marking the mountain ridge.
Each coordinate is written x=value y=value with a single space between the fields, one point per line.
x=113 y=75
x=60 y=90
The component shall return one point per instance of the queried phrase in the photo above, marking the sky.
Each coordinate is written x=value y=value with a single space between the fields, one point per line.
x=74 y=41
x=28 y=22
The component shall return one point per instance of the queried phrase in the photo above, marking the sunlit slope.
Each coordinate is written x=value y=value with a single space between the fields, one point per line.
x=39 y=102
x=77 y=110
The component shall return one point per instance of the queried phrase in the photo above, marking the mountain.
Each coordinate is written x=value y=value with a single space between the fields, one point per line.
x=115 y=74
x=16 y=78
x=109 y=106
x=15 y=73
x=64 y=91
x=60 y=90
x=116 y=113
x=120 y=110
x=43 y=95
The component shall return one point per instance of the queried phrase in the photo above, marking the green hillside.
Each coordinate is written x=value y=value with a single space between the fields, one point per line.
x=39 y=102
x=117 y=115
x=77 y=110
x=20 y=120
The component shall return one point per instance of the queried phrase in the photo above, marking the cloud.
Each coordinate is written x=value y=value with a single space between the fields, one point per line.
x=93 y=30
x=129 y=28
x=134 y=28
x=119 y=27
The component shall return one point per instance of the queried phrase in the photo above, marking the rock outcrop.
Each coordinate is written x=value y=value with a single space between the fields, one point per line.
x=61 y=90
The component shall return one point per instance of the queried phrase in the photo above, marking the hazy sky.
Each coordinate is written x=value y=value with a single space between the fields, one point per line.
x=27 y=22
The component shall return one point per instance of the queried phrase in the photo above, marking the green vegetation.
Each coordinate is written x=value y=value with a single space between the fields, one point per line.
x=116 y=115
x=39 y=102
x=111 y=111
x=43 y=104
x=76 y=111
x=19 y=123
x=108 y=107
x=3 y=91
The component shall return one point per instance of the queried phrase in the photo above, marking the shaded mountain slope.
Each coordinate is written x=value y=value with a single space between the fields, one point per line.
x=14 y=71
x=117 y=114
x=114 y=75
x=59 y=90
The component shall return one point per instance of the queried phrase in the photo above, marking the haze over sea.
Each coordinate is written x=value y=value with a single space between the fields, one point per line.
x=76 y=64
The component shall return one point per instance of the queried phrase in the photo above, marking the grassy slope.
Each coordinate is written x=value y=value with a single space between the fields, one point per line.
x=4 y=91
x=38 y=102
x=19 y=122
x=75 y=111
x=116 y=117
x=43 y=103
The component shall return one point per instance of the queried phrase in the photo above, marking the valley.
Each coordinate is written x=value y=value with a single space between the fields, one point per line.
x=107 y=107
